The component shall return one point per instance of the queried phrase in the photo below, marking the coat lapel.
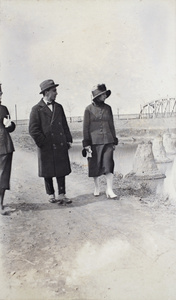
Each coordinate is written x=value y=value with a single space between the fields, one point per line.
x=56 y=112
x=45 y=109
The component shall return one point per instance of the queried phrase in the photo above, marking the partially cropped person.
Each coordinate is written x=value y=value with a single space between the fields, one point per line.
x=6 y=151
x=49 y=129
x=99 y=139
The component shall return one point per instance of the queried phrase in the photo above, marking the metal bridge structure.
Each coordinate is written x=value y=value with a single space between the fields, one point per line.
x=162 y=108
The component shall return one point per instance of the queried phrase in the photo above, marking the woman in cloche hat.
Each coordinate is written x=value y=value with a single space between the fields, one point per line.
x=99 y=139
x=6 y=152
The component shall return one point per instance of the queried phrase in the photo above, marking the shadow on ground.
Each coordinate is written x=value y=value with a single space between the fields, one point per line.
x=124 y=190
x=78 y=201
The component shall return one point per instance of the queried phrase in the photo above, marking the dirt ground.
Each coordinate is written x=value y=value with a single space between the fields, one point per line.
x=93 y=249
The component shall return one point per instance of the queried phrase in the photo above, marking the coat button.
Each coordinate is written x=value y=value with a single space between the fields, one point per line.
x=62 y=144
x=61 y=133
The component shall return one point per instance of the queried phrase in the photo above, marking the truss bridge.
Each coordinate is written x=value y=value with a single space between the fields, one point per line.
x=162 y=108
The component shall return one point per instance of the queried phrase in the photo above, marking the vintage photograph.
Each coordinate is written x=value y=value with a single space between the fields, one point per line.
x=88 y=149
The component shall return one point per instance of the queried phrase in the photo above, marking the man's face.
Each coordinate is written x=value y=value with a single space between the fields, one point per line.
x=51 y=94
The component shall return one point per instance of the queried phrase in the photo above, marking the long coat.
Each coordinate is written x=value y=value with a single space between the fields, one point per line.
x=98 y=126
x=6 y=144
x=51 y=134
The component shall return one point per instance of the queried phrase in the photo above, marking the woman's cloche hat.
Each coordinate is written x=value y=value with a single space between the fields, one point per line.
x=99 y=90
x=47 y=84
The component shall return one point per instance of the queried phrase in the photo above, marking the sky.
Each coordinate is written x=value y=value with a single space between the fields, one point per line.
x=129 y=45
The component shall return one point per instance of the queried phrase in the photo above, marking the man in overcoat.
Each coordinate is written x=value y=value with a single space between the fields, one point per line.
x=49 y=129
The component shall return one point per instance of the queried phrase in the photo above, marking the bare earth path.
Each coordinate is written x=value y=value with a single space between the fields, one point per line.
x=94 y=249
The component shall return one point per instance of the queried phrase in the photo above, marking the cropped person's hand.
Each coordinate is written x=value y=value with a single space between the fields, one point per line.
x=7 y=121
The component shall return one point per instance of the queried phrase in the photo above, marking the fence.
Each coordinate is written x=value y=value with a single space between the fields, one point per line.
x=25 y=122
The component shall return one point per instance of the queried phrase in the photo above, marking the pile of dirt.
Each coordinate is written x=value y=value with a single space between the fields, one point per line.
x=159 y=151
x=144 y=165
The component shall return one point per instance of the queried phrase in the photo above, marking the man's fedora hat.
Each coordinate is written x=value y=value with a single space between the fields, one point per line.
x=99 y=90
x=47 y=84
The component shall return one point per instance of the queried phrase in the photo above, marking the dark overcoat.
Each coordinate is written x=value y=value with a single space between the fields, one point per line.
x=6 y=150
x=51 y=134
x=6 y=144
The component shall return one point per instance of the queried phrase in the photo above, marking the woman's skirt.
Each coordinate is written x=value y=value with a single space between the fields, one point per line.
x=101 y=161
x=5 y=170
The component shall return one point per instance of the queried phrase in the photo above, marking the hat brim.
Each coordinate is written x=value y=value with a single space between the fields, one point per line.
x=49 y=87
x=108 y=93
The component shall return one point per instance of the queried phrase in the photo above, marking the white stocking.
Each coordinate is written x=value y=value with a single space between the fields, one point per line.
x=109 y=191
x=97 y=187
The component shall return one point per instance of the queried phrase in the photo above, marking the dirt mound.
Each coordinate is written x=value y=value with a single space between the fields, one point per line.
x=144 y=166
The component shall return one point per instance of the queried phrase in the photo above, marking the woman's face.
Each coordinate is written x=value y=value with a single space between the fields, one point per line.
x=102 y=97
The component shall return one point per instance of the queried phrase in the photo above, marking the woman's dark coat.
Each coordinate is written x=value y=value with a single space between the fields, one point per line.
x=51 y=134
x=98 y=126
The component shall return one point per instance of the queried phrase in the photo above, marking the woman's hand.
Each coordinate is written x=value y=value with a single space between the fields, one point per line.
x=88 y=148
x=89 y=151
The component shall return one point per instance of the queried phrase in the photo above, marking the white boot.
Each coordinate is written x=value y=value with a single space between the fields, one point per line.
x=109 y=191
x=97 y=187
